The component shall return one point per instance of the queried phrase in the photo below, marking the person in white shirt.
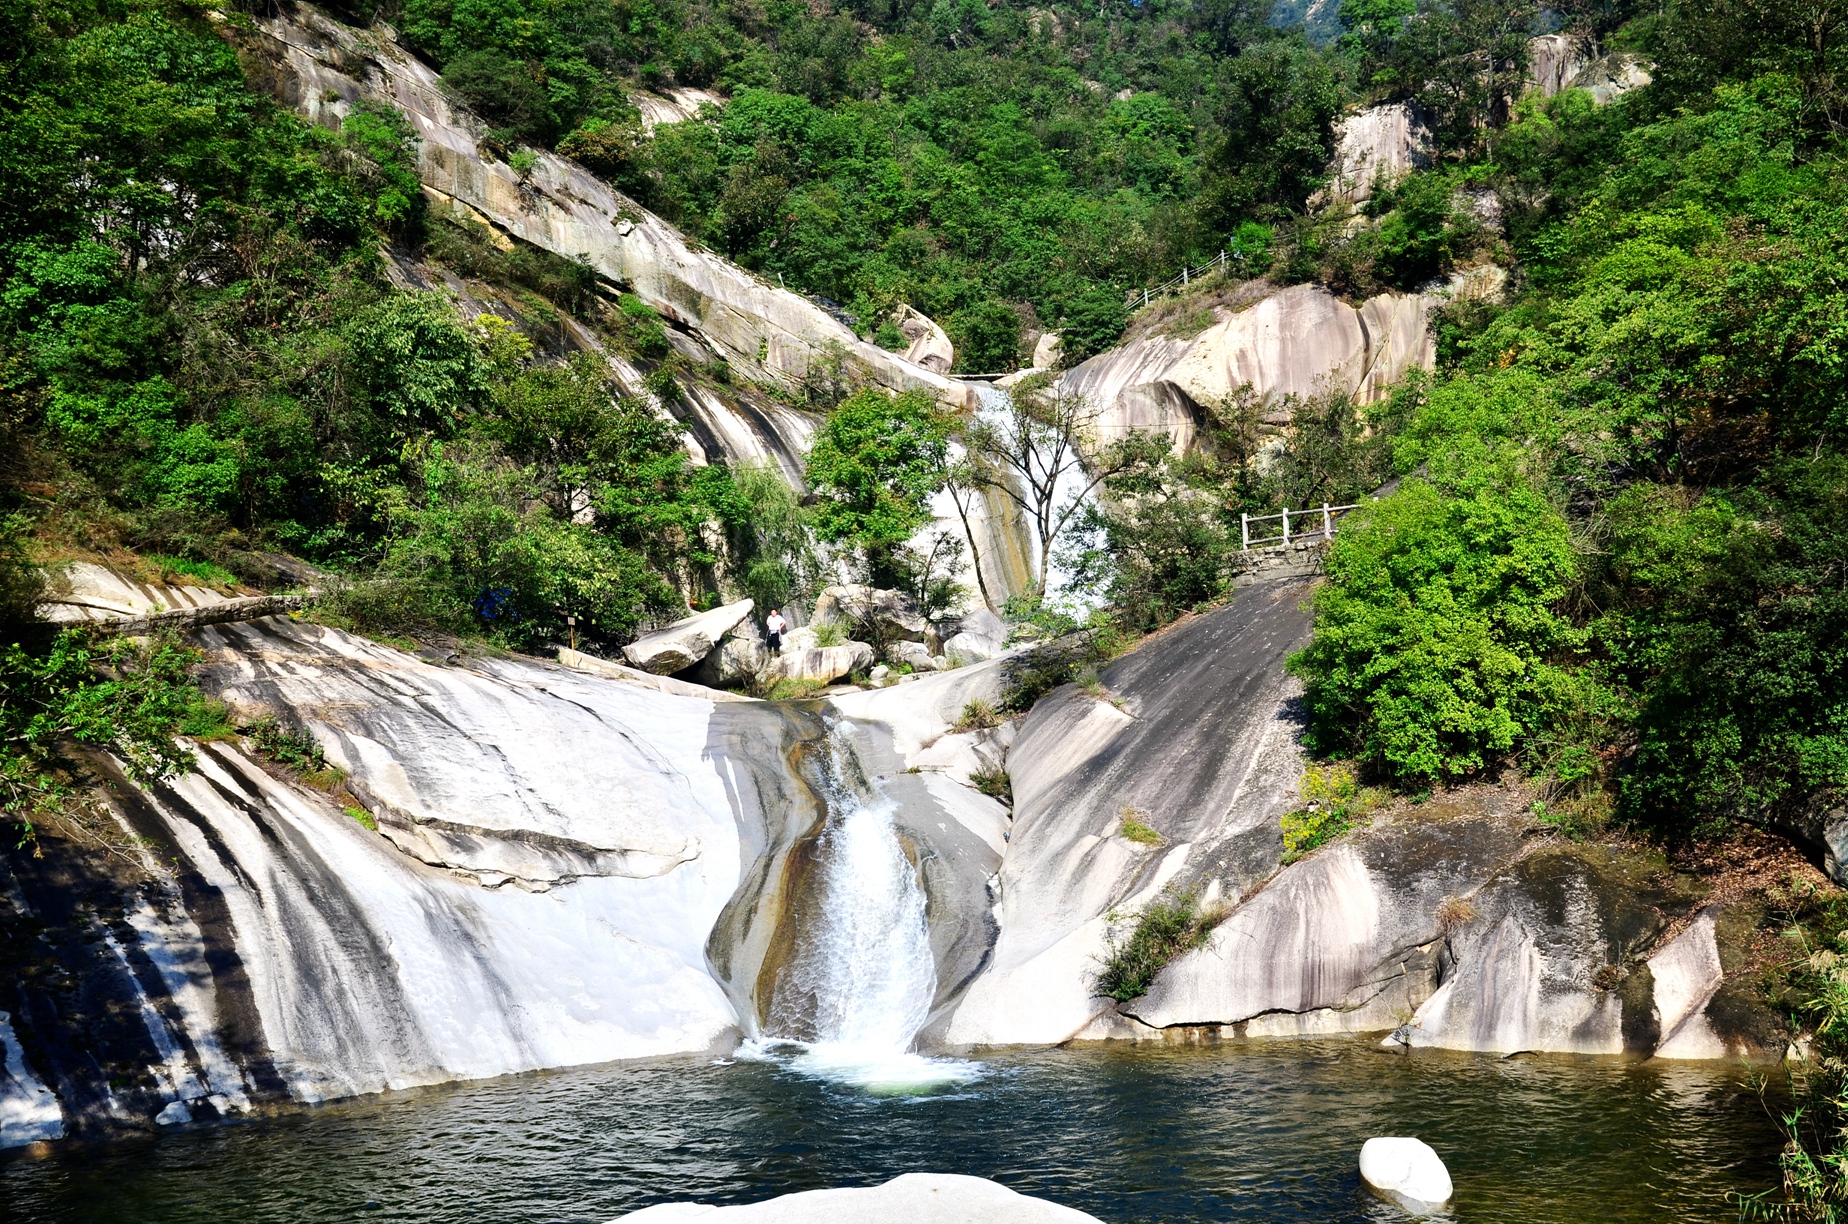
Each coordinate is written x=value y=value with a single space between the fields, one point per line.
x=776 y=627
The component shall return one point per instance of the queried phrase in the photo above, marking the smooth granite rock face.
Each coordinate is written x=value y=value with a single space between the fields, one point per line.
x=321 y=67
x=571 y=866
x=1211 y=767
x=913 y=1198
x=1407 y=1171
x=1297 y=341
x=685 y=642
x=1381 y=143
x=83 y=591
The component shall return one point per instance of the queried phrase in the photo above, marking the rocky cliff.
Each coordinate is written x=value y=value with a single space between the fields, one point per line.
x=321 y=67
x=1301 y=340
x=533 y=866
x=566 y=869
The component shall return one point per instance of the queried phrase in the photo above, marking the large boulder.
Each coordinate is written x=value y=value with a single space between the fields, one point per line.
x=911 y=1198
x=929 y=345
x=1297 y=341
x=979 y=635
x=738 y=658
x=823 y=664
x=916 y=654
x=685 y=642
x=1406 y=1171
x=888 y=615
x=1048 y=350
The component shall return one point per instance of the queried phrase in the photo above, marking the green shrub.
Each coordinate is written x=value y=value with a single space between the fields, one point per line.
x=178 y=569
x=977 y=715
x=1436 y=632
x=1172 y=925
x=995 y=783
x=130 y=697
x=364 y=817
x=1333 y=803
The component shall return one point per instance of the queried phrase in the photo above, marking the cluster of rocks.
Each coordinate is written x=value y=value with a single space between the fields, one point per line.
x=867 y=631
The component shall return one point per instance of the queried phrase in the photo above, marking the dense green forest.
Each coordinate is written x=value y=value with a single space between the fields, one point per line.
x=1627 y=472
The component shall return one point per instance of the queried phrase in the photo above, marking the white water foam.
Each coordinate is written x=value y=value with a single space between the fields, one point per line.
x=861 y=984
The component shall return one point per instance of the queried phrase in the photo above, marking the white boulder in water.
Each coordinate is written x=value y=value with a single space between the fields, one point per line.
x=914 y=1198
x=1406 y=1170
x=685 y=642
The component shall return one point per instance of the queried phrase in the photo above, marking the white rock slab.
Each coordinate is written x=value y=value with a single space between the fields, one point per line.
x=82 y=591
x=1406 y=1170
x=1687 y=973
x=685 y=642
x=29 y=1112
x=913 y=1198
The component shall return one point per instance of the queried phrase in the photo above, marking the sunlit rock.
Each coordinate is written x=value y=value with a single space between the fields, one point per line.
x=821 y=664
x=1686 y=975
x=888 y=614
x=912 y=1198
x=1300 y=341
x=83 y=591
x=1379 y=144
x=929 y=345
x=1407 y=1171
x=685 y=642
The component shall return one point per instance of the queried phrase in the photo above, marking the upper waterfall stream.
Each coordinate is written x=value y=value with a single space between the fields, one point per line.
x=860 y=982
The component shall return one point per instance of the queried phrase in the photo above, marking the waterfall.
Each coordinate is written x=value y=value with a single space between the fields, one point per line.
x=860 y=983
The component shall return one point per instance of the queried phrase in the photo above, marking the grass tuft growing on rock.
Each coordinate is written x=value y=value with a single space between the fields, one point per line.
x=1135 y=829
x=979 y=715
x=994 y=783
x=1174 y=924
x=795 y=689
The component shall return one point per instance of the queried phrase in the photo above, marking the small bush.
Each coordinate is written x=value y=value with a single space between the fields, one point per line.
x=1454 y=912
x=363 y=817
x=208 y=721
x=292 y=749
x=1333 y=802
x=830 y=633
x=1172 y=925
x=994 y=783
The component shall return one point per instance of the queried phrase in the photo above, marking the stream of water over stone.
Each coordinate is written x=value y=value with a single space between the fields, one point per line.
x=859 y=987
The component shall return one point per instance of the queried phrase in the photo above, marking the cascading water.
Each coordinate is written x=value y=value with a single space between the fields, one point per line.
x=860 y=983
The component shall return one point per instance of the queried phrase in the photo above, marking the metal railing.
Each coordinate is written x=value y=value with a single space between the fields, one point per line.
x=1326 y=514
x=1186 y=276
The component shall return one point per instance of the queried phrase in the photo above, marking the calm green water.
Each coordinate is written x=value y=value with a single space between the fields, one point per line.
x=1267 y=1131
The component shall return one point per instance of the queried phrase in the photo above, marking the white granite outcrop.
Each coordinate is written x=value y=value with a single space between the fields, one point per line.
x=912 y=1198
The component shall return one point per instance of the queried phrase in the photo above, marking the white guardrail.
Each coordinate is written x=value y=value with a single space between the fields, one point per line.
x=1326 y=514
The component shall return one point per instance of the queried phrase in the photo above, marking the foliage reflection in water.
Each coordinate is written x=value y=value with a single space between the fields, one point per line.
x=1266 y=1131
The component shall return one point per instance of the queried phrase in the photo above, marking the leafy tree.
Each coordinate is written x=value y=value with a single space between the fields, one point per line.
x=1436 y=637
x=131 y=698
x=875 y=463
